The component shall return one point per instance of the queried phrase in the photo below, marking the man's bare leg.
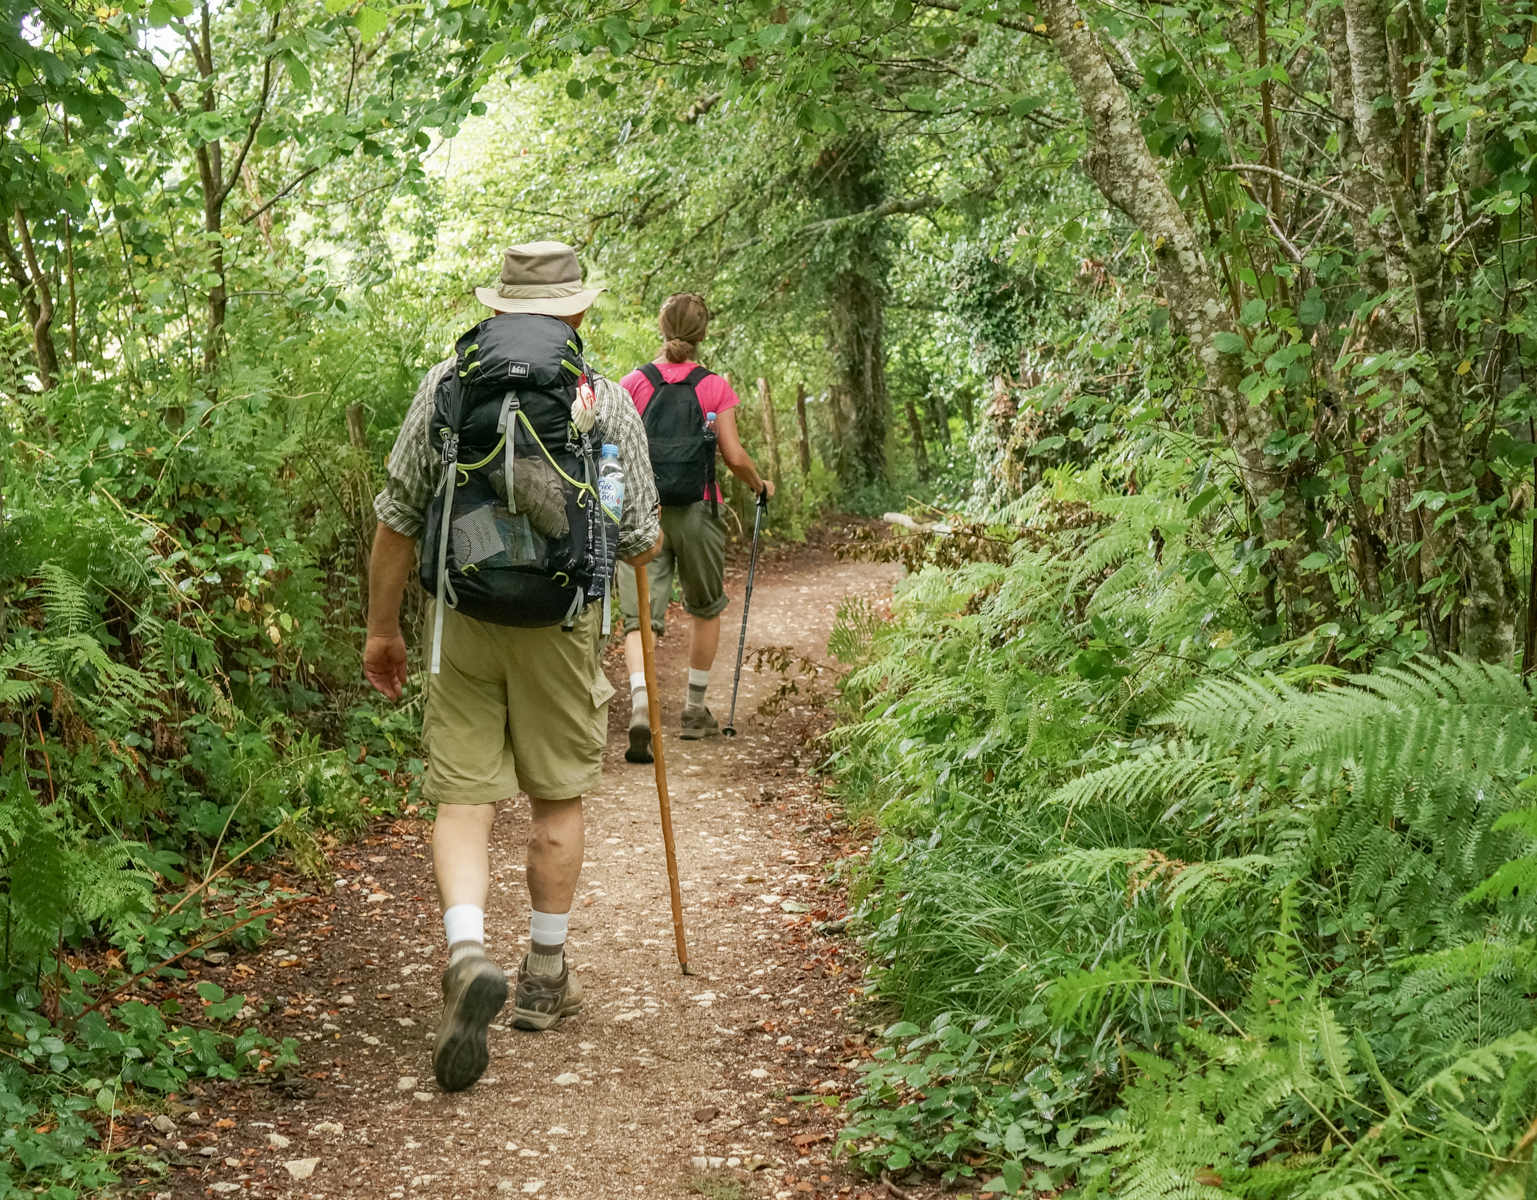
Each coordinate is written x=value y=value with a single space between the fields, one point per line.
x=556 y=842
x=474 y=988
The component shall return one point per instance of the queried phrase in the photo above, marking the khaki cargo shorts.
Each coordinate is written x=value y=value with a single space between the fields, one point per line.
x=516 y=709
x=693 y=545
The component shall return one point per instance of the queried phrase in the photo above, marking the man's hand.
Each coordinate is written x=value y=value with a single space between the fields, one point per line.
x=768 y=487
x=384 y=662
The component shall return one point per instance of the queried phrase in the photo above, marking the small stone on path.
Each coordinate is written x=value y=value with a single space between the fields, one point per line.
x=567 y=1078
x=406 y=1083
x=301 y=1168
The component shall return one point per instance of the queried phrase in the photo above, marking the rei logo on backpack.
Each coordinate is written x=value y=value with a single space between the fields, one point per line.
x=515 y=534
x=682 y=445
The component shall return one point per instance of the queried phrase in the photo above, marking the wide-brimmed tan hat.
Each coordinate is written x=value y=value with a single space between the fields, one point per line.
x=540 y=277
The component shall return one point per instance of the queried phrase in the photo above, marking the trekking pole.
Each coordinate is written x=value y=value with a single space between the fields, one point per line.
x=654 y=716
x=741 y=642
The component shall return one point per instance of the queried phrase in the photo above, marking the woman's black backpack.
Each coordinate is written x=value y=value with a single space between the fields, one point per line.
x=535 y=552
x=682 y=444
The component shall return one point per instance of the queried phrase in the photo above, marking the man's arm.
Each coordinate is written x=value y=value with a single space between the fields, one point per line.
x=641 y=560
x=384 y=654
x=736 y=456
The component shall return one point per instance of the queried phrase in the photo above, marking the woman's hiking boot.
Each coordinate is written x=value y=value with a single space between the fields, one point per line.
x=639 y=750
x=474 y=990
x=541 y=1000
x=698 y=723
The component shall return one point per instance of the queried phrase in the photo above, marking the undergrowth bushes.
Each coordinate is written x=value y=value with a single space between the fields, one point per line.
x=1170 y=908
x=181 y=575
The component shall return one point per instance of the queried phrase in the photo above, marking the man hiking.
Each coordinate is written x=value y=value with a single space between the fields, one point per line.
x=495 y=472
x=688 y=414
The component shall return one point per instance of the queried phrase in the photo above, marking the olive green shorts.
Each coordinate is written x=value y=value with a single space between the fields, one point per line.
x=516 y=709
x=693 y=545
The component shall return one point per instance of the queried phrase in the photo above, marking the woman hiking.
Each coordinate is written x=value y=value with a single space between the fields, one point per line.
x=681 y=403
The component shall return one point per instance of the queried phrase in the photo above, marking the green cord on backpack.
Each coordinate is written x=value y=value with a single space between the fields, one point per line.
x=514 y=535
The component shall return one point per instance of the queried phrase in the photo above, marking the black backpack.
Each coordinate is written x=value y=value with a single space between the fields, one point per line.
x=681 y=441
x=535 y=553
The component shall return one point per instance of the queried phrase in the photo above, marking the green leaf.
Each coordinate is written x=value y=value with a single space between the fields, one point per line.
x=1205 y=498
x=211 y=992
x=370 y=21
x=1229 y=343
x=901 y=1029
x=575 y=88
x=297 y=71
x=1253 y=312
x=1314 y=561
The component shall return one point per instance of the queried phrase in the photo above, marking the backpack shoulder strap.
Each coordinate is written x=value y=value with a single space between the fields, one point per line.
x=653 y=376
x=695 y=377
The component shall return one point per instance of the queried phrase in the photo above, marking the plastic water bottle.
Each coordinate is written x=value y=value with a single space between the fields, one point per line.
x=611 y=482
x=711 y=487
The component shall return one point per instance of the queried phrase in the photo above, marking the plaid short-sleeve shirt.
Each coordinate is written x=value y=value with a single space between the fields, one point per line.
x=414 y=467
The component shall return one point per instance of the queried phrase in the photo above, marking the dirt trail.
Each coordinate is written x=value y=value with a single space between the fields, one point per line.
x=665 y=1085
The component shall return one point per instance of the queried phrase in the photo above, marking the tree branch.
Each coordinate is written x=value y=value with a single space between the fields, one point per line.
x=886 y=208
x=256 y=120
x=249 y=217
x=1293 y=181
x=1003 y=22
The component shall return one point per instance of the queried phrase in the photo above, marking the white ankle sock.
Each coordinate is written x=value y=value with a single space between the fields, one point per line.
x=464 y=925
x=547 y=932
x=698 y=681
x=637 y=691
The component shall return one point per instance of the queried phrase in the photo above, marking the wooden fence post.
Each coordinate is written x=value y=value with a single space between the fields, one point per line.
x=800 y=420
x=766 y=403
x=357 y=428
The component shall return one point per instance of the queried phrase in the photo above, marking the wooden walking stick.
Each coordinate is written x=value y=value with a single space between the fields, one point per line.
x=654 y=717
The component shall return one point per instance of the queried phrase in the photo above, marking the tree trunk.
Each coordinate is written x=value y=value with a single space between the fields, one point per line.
x=920 y=451
x=1416 y=270
x=848 y=176
x=1126 y=173
x=213 y=181
x=800 y=421
x=770 y=430
x=939 y=415
x=36 y=297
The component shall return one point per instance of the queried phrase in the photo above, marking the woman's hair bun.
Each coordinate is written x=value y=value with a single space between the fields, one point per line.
x=684 y=319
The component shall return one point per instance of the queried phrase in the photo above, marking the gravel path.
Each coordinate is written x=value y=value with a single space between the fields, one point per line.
x=724 y=1083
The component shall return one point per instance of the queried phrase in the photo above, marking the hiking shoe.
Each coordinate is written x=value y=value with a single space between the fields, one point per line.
x=474 y=990
x=640 y=738
x=698 y=723
x=541 y=1000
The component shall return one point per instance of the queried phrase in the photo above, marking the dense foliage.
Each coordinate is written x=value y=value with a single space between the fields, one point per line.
x=1164 y=906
